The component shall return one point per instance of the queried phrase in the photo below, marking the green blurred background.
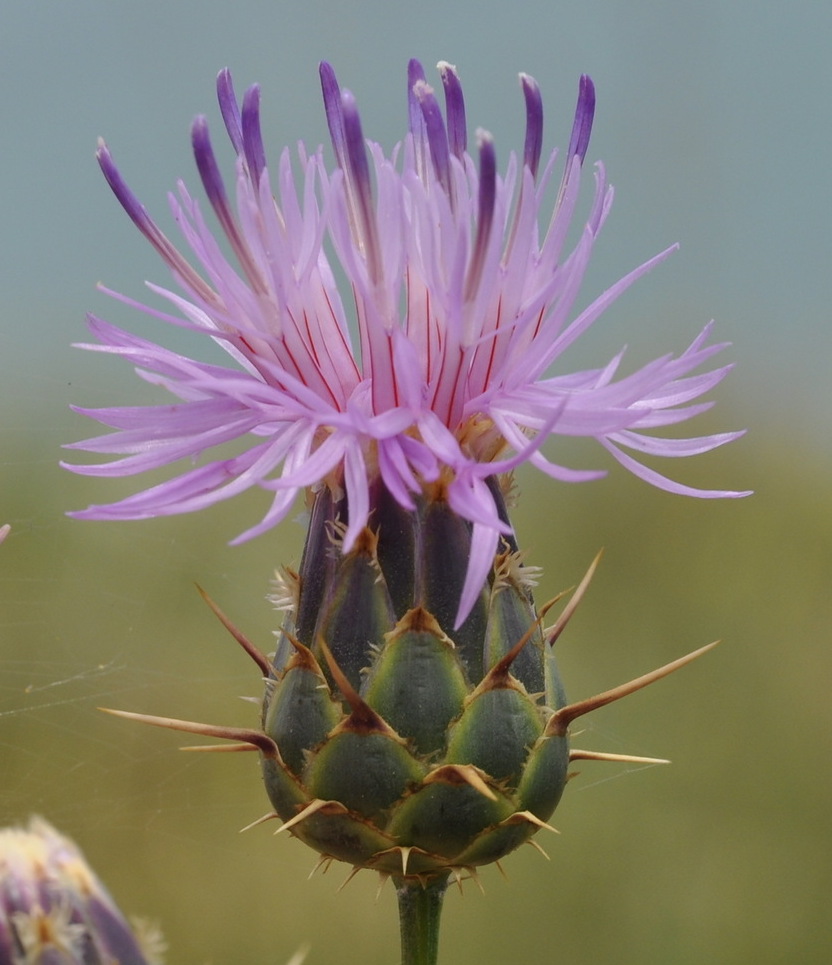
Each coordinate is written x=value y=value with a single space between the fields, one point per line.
x=713 y=121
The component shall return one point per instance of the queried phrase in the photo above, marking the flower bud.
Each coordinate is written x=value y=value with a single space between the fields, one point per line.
x=407 y=744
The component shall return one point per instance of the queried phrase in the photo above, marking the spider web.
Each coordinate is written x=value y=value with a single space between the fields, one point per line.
x=102 y=614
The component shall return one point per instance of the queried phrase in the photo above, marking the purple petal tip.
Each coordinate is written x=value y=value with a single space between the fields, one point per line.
x=252 y=137
x=533 y=146
x=415 y=71
x=331 y=92
x=228 y=108
x=454 y=108
x=584 y=115
x=206 y=162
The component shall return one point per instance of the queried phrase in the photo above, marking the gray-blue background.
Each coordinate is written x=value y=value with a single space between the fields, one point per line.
x=714 y=122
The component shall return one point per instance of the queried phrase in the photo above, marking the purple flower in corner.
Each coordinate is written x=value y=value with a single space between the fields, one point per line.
x=437 y=377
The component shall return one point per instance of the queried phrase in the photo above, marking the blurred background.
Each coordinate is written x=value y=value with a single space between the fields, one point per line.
x=713 y=121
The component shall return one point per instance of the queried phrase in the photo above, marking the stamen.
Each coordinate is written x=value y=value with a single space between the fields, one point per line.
x=415 y=119
x=437 y=137
x=454 y=109
x=334 y=114
x=208 y=168
x=534 y=123
x=142 y=220
x=252 y=137
x=209 y=172
x=229 y=109
x=358 y=171
x=485 y=219
x=416 y=122
x=582 y=125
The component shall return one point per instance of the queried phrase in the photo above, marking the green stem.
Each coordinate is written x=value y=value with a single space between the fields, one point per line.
x=420 y=907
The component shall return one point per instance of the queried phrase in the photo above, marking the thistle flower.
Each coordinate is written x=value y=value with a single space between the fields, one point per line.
x=55 y=911
x=414 y=719
x=440 y=379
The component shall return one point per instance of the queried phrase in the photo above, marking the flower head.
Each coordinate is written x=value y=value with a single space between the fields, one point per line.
x=54 y=909
x=439 y=379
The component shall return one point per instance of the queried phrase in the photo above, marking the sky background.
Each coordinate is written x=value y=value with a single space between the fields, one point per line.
x=713 y=121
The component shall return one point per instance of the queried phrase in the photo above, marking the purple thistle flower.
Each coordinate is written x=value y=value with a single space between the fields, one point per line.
x=55 y=911
x=461 y=310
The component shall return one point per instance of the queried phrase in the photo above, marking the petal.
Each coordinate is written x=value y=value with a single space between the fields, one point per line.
x=662 y=482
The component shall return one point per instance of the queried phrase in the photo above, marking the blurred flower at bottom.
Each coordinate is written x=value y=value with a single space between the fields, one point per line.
x=55 y=911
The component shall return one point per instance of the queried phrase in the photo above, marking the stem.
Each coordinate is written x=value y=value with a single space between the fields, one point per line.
x=420 y=906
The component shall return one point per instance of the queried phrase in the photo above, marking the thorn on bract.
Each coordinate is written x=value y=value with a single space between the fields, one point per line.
x=497 y=676
x=458 y=774
x=526 y=817
x=383 y=878
x=538 y=848
x=254 y=652
x=219 y=748
x=261 y=820
x=324 y=862
x=303 y=658
x=572 y=605
x=261 y=741
x=300 y=955
x=474 y=876
x=353 y=872
x=362 y=719
x=559 y=721
x=335 y=807
x=579 y=755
